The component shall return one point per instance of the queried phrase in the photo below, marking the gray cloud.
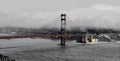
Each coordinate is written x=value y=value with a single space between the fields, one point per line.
x=104 y=16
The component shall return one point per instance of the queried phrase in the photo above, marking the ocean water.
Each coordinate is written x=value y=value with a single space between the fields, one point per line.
x=49 y=50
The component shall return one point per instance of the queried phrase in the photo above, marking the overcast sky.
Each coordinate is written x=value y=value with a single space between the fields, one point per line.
x=17 y=5
x=94 y=13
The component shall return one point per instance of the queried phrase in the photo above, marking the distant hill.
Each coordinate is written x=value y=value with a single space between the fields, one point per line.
x=75 y=30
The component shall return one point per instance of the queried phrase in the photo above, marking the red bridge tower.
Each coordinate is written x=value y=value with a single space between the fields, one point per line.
x=63 y=29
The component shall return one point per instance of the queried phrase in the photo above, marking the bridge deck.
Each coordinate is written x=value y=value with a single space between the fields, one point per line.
x=40 y=35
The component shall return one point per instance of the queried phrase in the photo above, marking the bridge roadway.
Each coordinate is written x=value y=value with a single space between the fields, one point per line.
x=39 y=35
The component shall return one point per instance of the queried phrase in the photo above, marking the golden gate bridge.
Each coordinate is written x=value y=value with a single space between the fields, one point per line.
x=63 y=35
